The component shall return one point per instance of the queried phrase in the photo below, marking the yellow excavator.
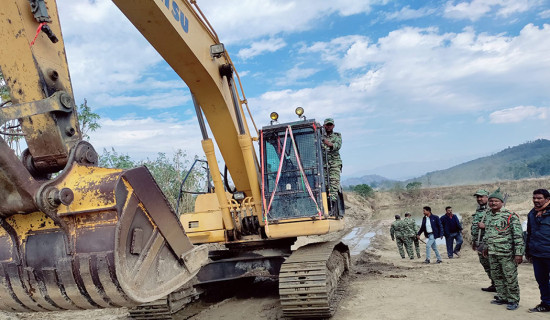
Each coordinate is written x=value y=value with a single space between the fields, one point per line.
x=77 y=236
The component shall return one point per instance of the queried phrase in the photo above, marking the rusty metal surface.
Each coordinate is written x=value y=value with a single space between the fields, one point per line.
x=59 y=101
x=83 y=258
x=17 y=186
x=159 y=209
x=34 y=73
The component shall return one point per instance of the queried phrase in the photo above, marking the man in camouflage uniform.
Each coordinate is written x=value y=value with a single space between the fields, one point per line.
x=332 y=142
x=478 y=242
x=399 y=232
x=504 y=239
x=411 y=228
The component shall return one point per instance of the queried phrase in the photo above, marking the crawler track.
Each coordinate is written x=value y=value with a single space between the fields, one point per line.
x=164 y=309
x=309 y=280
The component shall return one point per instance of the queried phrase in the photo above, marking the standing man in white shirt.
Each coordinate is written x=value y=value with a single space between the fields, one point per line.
x=432 y=229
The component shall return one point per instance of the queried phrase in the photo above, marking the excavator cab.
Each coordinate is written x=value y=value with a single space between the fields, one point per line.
x=294 y=175
x=294 y=181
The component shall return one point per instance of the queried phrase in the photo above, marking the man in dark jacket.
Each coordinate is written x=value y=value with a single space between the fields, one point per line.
x=432 y=229
x=538 y=245
x=452 y=230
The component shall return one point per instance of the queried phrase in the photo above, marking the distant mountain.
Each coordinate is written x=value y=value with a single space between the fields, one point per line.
x=528 y=160
x=372 y=180
x=411 y=169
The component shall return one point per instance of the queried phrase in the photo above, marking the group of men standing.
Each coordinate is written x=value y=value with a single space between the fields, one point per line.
x=404 y=233
x=498 y=238
x=432 y=227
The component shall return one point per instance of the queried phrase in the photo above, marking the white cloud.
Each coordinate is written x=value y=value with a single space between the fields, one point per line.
x=476 y=9
x=444 y=72
x=145 y=137
x=332 y=51
x=237 y=21
x=148 y=100
x=406 y=13
x=259 y=47
x=544 y=14
x=119 y=66
x=294 y=75
x=518 y=114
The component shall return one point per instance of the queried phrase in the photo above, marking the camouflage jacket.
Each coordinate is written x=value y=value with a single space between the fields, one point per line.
x=503 y=233
x=476 y=218
x=333 y=153
x=398 y=229
x=411 y=226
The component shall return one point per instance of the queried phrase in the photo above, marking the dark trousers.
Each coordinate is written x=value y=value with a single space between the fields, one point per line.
x=450 y=241
x=541 y=266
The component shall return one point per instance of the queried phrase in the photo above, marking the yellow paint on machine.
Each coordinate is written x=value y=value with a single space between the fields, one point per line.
x=23 y=224
x=296 y=228
x=206 y=224
x=86 y=182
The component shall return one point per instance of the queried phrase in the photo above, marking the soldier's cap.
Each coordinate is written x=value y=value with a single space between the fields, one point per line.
x=397 y=217
x=407 y=214
x=329 y=120
x=481 y=192
x=497 y=195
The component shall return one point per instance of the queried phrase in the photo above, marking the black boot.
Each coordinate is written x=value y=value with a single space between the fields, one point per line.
x=491 y=288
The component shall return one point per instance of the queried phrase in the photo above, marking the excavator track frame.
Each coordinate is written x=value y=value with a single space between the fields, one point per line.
x=310 y=280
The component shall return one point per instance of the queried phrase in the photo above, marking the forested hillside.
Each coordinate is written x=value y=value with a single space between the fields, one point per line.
x=528 y=160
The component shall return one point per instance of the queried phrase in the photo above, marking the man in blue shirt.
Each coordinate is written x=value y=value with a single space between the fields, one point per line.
x=432 y=229
x=452 y=230
x=537 y=246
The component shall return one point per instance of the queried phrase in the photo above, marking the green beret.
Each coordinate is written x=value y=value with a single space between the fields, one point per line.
x=497 y=195
x=329 y=120
x=481 y=192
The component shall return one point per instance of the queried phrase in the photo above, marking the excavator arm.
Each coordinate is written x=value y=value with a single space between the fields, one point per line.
x=182 y=35
x=90 y=237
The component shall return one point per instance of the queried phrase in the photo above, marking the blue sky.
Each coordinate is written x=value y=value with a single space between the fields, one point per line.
x=413 y=86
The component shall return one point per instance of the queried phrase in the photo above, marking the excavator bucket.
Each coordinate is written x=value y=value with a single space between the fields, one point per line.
x=100 y=238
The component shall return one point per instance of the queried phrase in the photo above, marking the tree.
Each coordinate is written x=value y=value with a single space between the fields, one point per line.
x=168 y=174
x=113 y=159
x=87 y=120
x=412 y=186
x=4 y=92
x=11 y=130
x=364 y=190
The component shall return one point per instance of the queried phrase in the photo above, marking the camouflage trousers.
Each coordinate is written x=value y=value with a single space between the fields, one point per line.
x=486 y=266
x=504 y=273
x=333 y=174
x=416 y=242
x=404 y=241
